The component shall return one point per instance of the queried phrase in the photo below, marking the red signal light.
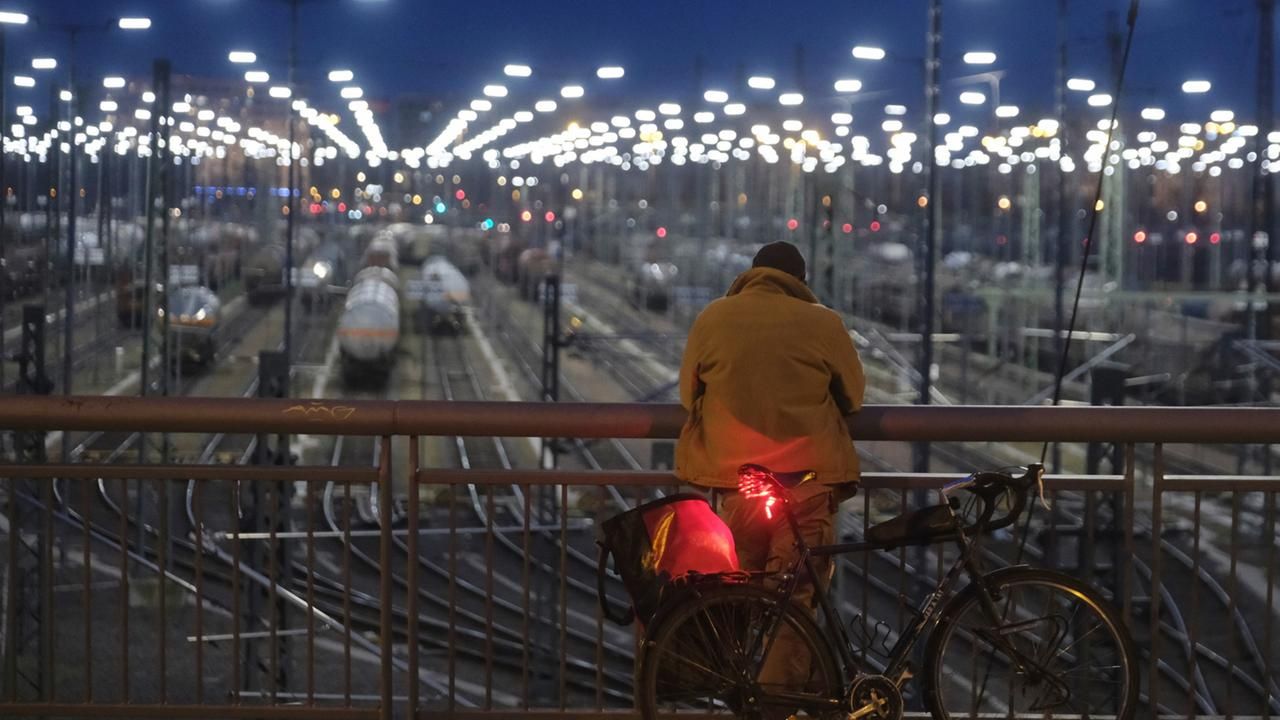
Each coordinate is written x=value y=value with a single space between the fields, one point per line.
x=875 y=226
x=342 y=207
x=792 y=224
x=460 y=194
x=1140 y=237
x=549 y=217
x=847 y=228
x=1215 y=238
x=1002 y=240
x=1191 y=238
x=661 y=232
x=315 y=208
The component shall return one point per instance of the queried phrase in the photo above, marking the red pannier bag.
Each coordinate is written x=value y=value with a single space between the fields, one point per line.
x=658 y=543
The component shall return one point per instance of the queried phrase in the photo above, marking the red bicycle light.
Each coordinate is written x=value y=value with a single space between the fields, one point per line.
x=753 y=483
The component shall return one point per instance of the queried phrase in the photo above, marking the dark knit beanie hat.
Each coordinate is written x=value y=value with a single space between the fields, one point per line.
x=781 y=256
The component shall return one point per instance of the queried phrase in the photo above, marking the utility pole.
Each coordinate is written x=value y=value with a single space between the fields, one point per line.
x=932 y=214
x=1061 y=246
x=1262 y=252
x=289 y=204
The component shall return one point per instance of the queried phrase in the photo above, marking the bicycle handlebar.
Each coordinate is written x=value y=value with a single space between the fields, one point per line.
x=988 y=486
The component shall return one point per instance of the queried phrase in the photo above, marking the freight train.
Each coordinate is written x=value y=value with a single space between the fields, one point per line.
x=369 y=327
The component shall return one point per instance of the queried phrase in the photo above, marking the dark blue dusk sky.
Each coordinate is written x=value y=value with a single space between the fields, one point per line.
x=449 y=47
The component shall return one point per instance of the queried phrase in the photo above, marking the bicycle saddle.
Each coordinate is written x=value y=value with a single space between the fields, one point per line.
x=785 y=479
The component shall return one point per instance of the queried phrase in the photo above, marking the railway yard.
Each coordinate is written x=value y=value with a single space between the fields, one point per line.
x=274 y=592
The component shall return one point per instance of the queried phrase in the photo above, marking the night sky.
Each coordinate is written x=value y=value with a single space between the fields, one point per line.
x=450 y=48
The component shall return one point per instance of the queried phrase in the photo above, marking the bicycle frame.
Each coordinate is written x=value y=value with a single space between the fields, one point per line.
x=927 y=615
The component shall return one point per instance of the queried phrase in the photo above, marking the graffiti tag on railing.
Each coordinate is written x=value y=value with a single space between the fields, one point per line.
x=319 y=412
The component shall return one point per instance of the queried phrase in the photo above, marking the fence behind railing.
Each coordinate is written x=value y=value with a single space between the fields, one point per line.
x=379 y=584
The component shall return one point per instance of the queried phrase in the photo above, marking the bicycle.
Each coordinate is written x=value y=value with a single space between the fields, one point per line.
x=1014 y=642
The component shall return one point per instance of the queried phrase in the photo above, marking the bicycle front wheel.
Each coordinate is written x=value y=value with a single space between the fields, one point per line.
x=708 y=656
x=1049 y=647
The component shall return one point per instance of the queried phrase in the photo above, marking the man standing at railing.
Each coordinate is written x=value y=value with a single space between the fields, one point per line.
x=768 y=376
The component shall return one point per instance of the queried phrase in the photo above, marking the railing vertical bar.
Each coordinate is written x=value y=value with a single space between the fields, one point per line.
x=564 y=595
x=1269 y=533
x=197 y=506
x=237 y=557
x=453 y=597
x=1157 y=490
x=1130 y=497
x=490 y=509
x=124 y=590
x=866 y=574
x=86 y=499
x=902 y=561
x=1232 y=594
x=385 y=627
x=413 y=510
x=11 y=591
x=599 y=660
x=48 y=623
x=1193 y=659
x=162 y=561
x=525 y=584
x=273 y=594
x=346 y=596
x=311 y=596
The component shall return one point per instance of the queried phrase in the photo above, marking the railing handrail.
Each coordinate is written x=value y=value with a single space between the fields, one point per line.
x=972 y=423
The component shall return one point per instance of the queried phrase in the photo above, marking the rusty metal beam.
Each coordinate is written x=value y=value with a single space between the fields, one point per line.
x=621 y=420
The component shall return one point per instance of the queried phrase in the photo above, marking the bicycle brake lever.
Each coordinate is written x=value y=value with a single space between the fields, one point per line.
x=1040 y=487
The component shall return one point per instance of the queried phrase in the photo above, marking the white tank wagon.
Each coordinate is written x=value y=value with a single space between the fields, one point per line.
x=382 y=251
x=369 y=328
x=446 y=295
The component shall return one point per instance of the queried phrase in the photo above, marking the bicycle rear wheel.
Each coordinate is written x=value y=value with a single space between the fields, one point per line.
x=1054 y=648
x=699 y=658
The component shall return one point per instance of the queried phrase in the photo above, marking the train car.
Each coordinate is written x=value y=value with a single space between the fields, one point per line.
x=369 y=328
x=447 y=294
x=502 y=254
x=323 y=273
x=651 y=285
x=532 y=267
x=263 y=272
x=382 y=251
x=195 y=316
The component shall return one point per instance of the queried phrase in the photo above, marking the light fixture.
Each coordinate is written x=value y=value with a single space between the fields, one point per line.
x=242 y=56
x=256 y=76
x=13 y=18
x=341 y=76
x=1081 y=84
x=351 y=92
x=571 y=91
x=610 y=72
x=864 y=52
x=760 y=82
x=134 y=23
x=979 y=58
x=113 y=82
x=848 y=85
x=43 y=63
x=1195 y=87
x=790 y=98
x=280 y=91
x=24 y=81
x=517 y=71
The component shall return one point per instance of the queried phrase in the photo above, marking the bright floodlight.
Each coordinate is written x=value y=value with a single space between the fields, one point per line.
x=495 y=91
x=760 y=82
x=257 y=76
x=24 y=81
x=242 y=56
x=1152 y=113
x=610 y=72
x=341 y=76
x=848 y=85
x=735 y=109
x=571 y=91
x=979 y=58
x=517 y=71
x=352 y=92
x=716 y=96
x=864 y=52
x=1222 y=116
x=1196 y=87
x=43 y=63
x=941 y=118
x=113 y=82
x=972 y=98
x=64 y=95
x=545 y=106
x=108 y=106
x=13 y=18
x=704 y=117
x=279 y=91
x=1100 y=100
x=841 y=118
x=481 y=105
x=134 y=23
x=1007 y=111
x=669 y=108
x=1081 y=84
x=790 y=98
x=523 y=116
x=895 y=109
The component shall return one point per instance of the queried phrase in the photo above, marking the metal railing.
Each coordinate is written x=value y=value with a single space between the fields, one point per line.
x=383 y=584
